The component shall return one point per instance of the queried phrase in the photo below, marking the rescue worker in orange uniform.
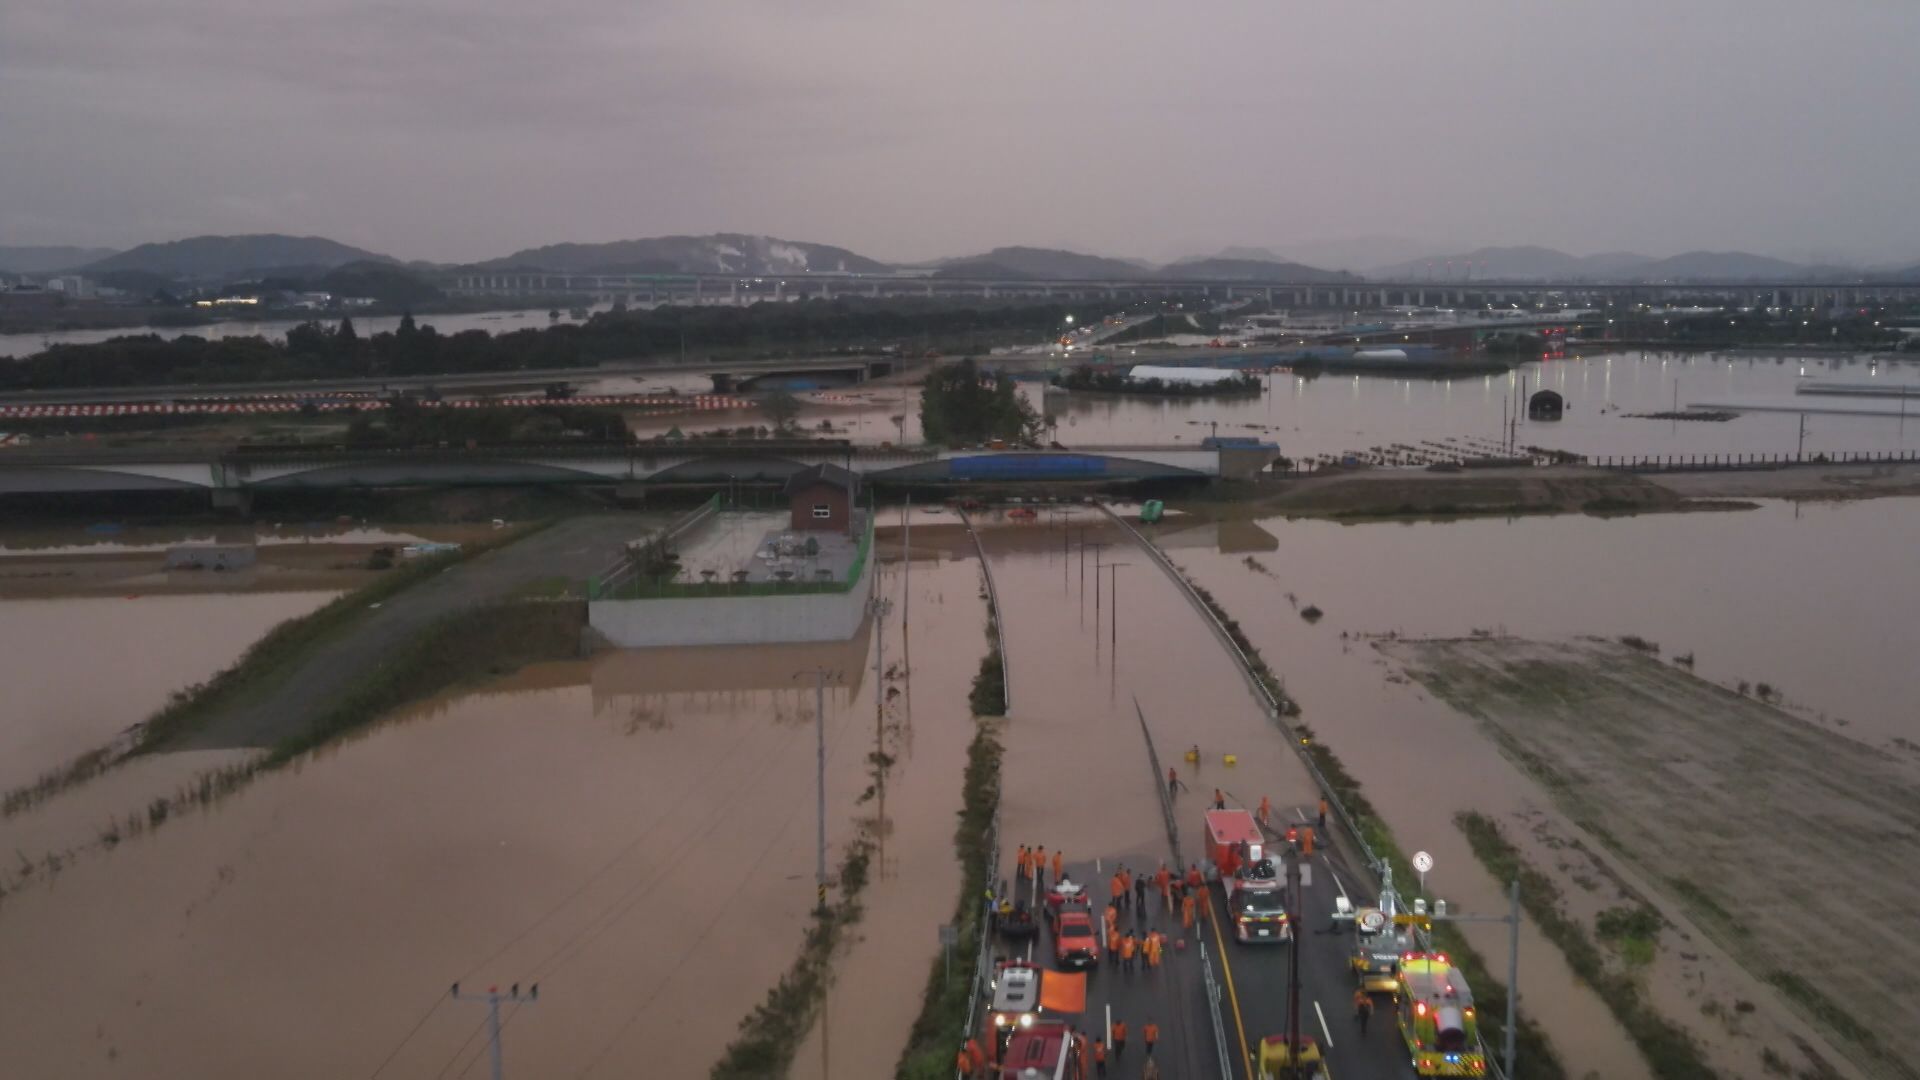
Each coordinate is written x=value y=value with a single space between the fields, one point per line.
x=1116 y=890
x=1112 y=915
x=1024 y=861
x=1323 y=813
x=1040 y=865
x=1152 y=946
x=979 y=1055
x=1164 y=879
x=1150 y=1034
x=1306 y=841
x=1128 y=946
x=964 y=1061
x=1117 y=1035
x=1266 y=808
x=1187 y=907
x=1059 y=864
x=1362 y=1008
x=1100 y=1060
x=1126 y=884
x=1195 y=879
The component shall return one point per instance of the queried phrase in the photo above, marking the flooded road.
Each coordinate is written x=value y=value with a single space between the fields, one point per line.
x=1809 y=597
x=635 y=833
x=79 y=671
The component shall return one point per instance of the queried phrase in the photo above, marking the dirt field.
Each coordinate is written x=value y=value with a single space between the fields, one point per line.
x=1792 y=848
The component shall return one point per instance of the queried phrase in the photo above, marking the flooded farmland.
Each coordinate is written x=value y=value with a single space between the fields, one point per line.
x=633 y=832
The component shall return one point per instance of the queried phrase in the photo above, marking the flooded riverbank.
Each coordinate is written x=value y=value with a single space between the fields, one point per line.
x=1804 y=597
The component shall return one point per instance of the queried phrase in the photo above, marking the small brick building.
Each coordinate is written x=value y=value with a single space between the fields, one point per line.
x=821 y=498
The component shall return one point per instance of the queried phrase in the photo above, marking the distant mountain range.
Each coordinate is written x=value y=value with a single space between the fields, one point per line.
x=47 y=260
x=203 y=259
x=217 y=257
x=721 y=253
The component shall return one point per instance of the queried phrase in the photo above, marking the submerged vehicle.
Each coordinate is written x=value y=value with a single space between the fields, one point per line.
x=1436 y=1017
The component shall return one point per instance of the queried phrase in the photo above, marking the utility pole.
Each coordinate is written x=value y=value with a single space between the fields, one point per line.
x=881 y=605
x=493 y=997
x=1113 y=589
x=820 y=783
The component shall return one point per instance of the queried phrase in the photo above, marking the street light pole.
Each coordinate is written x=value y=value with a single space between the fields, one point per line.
x=1512 y=919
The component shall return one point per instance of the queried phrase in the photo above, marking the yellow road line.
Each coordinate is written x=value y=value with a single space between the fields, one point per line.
x=1239 y=1025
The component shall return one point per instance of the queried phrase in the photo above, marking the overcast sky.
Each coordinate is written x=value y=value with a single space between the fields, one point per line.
x=465 y=129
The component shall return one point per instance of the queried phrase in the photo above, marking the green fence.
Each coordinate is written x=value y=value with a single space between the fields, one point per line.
x=636 y=589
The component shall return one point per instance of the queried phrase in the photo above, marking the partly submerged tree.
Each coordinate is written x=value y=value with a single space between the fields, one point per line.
x=781 y=408
x=958 y=406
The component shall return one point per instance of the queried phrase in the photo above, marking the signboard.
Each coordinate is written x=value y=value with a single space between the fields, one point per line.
x=1372 y=920
x=949 y=935
x=1422 y=861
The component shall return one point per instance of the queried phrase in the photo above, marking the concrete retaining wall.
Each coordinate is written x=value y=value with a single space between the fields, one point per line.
x=732 y=620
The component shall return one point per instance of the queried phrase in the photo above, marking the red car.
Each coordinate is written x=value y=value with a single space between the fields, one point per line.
x=1075 y=942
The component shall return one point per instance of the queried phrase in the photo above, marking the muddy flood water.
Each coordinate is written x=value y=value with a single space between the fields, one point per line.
x=634 y=832
x=80 y=670
x=1813 y=598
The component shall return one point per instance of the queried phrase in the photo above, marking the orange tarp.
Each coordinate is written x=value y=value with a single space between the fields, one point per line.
x=1064 y=991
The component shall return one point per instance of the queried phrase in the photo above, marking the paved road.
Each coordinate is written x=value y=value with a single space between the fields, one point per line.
x=574 y=548
x=1258 y=976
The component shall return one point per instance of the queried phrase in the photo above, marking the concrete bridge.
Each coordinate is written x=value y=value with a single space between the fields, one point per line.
x=732 y=289
x=232 y=477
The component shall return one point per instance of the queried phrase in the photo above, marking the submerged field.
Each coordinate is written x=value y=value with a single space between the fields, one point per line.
x=1779 y=839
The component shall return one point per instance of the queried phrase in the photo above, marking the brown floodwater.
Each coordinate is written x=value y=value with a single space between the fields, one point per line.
x=635 y=833
x=876 y=994
x=79 y=671
x=1338 y=414
x=1811 y=597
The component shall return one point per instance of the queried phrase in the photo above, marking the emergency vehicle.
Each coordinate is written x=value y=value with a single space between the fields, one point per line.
x=1014 y=1003
x=1381 y=935
x=1044 y=1050
x=1436 y=1017
x=1237 y=857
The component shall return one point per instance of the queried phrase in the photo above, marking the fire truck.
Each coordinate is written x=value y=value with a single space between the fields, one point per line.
x=1237 y=857
x=1044 y=1050
x=1436 y=1017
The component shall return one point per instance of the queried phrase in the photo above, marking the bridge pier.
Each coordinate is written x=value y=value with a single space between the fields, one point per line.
x=238 y=500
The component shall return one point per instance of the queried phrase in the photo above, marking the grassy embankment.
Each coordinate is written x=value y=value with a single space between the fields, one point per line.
x=1670 y=1052
x=266 y=661
x=1530 y=1041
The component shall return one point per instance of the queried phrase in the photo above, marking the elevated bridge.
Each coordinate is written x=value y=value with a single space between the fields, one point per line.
x=232 y=476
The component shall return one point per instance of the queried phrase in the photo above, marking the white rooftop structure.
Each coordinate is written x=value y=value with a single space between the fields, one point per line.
x=1192 y=376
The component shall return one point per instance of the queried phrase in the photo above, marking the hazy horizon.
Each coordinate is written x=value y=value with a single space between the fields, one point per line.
x=464 y=131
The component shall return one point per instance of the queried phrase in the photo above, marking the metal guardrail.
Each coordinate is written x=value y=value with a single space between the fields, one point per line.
x=993 y=609
x=600 y=584
x=1213 y=1011
x=1220 y=1044
x=982 y=963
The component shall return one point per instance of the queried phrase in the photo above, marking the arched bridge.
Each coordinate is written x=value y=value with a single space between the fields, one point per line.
x=232 y=474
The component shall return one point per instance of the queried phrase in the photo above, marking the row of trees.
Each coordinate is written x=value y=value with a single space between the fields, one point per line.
x=315 y=350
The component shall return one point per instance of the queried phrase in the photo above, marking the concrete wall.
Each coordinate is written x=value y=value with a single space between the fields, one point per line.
x=732 y=620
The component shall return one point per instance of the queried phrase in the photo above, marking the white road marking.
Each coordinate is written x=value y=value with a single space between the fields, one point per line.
x=1323 y=1025
x=1096 y=865
x=1337 y=885
x=1109 y=1033
x=1297 y=812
